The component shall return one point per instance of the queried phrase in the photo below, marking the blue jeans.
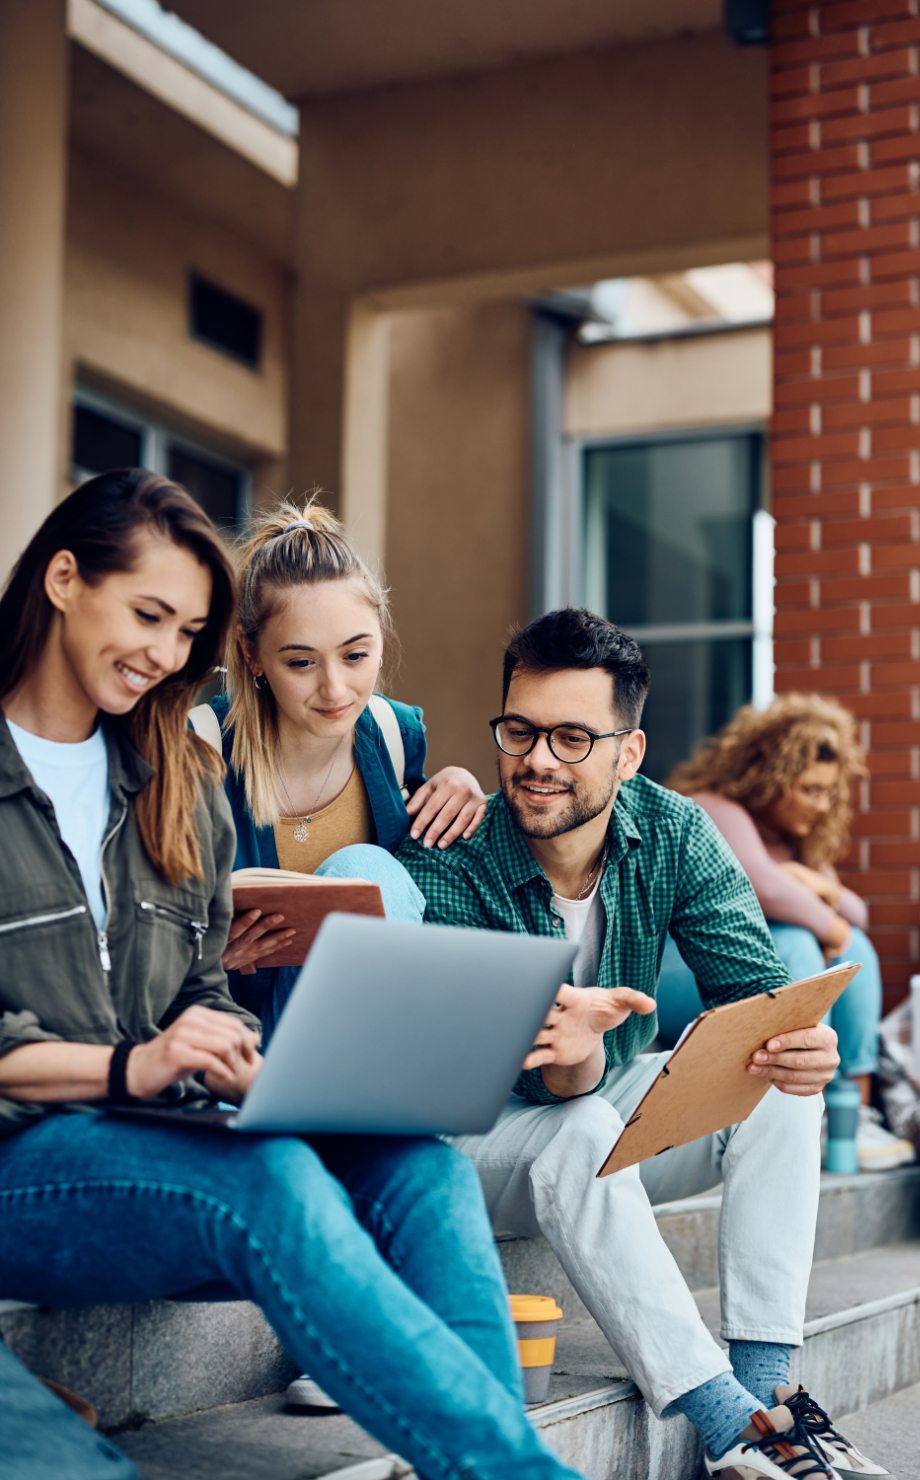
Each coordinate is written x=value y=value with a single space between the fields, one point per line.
x=402 y=900
x=371 y=1257
x=43 y=1439
x=854 y=1017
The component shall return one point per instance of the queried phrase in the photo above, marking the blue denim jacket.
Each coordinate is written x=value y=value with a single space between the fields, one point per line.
x=255 y=846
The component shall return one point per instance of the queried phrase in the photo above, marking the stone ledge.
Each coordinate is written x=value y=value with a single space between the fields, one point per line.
x=154 y=1360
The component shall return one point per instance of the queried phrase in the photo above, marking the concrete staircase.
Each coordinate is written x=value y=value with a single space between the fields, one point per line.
x=196 y=1389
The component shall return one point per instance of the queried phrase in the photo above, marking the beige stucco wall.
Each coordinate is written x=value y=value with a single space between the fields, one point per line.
x=711 y=379
x=458 y=531
x=129 y=253
x=33 y=160
x=619 y=160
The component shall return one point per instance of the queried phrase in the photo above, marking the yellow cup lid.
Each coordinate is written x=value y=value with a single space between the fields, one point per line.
x=534 y=1308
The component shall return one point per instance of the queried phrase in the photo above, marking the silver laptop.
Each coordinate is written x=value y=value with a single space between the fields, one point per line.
x=401 y=1029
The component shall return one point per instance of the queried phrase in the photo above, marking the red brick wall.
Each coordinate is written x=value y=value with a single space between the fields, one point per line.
x=846 y=431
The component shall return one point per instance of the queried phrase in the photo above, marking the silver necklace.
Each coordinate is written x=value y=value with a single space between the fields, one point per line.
x=596 y=866
x=301 y=831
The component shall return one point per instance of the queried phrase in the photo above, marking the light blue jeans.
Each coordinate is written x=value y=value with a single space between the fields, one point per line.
x=402 y=900
x=854 y=1017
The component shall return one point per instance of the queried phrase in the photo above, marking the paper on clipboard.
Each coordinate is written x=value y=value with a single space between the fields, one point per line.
x=705 y=1085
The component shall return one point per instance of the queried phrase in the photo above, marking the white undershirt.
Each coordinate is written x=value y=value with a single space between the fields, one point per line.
x=585 y=923
x=75 y=778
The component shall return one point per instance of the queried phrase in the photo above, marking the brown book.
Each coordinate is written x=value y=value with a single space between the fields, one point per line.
x=705 y=1086
x=304 y=901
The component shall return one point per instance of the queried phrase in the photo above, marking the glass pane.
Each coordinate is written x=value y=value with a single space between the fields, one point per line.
x=669 y=530
x=695 y=689
x=217 y=489
x=100 y=443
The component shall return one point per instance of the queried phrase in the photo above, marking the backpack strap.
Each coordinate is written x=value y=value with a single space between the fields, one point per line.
x=205 y=723
x=385 y=715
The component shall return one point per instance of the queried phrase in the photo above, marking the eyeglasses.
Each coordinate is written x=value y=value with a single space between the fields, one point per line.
x=569 y=743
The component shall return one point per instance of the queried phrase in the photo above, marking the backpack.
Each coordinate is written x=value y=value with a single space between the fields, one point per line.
x=205 y=723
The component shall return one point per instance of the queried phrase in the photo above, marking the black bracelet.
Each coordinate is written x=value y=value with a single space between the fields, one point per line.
x=118 y=1086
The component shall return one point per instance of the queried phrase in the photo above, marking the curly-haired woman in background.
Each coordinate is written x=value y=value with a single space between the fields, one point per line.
x=776 y=783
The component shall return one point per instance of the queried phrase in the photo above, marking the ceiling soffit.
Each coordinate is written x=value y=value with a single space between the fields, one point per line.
x=308 y=48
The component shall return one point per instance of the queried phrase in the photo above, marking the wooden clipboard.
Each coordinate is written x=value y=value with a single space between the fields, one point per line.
x=705 y=1085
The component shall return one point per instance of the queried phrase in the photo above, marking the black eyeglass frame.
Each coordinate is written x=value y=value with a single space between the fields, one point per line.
x=548 y=732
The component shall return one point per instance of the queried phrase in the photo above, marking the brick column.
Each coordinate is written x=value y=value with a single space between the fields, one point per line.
x=845 y=153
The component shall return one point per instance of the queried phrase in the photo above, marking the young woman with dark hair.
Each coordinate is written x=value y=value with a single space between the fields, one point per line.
x=371 y=1257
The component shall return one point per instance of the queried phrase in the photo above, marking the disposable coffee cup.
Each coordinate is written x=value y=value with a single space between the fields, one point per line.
x=535 y=1317
x=843 y=1100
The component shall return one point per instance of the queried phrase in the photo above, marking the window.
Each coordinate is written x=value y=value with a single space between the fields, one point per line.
x=673 y=527
x=225 y=322
x=109 y=435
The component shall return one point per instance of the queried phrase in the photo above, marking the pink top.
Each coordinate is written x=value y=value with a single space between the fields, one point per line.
x=759 y=851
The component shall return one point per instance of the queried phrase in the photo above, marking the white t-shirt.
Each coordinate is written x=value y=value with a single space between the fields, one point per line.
x=585 y=922
x=75 y=778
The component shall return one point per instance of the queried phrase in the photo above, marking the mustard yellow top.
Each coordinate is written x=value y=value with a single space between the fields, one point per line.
x=347 y=820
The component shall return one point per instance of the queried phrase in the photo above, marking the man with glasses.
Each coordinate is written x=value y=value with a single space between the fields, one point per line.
x=576 y=841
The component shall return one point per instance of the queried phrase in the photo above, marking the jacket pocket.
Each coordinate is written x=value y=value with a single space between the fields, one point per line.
x=49 y=965
x=197 y=929
x=170 y=926
x=44 y=917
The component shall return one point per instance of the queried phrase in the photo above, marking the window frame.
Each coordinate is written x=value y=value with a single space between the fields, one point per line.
x=759 y=628
x=156 y=439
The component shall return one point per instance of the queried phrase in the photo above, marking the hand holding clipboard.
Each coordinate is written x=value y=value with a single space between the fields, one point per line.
x=705 y=1084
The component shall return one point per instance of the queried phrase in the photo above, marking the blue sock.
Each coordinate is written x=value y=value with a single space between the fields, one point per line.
x=720 y=1409
x=761 y=1366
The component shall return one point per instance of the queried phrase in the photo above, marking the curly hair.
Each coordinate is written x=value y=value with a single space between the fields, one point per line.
x=760 y=754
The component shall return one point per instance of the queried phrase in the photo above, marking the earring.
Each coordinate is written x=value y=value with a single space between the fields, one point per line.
x=255 y=679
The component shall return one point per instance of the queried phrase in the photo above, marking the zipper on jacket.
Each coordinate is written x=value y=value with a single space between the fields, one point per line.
x=102 y=936
x=199 y=928
x=78 y=909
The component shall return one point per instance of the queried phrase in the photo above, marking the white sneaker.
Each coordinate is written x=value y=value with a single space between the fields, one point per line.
x=305 y=1393
x=845 y=1459
x=774 y=1446
x=877 y=1149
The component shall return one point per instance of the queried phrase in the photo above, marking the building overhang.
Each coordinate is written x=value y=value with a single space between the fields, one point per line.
x=311 y=48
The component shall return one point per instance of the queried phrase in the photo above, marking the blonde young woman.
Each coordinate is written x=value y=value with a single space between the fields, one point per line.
x=310 y=777
x=777 y=785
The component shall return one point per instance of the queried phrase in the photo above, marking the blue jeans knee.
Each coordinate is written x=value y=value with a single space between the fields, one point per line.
x=402 y=898
x=855 y=1016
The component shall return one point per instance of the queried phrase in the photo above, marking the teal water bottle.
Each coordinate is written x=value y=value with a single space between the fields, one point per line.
x=843 y=1100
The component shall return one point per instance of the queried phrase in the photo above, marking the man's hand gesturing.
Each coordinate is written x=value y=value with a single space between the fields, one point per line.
x=569 y=1048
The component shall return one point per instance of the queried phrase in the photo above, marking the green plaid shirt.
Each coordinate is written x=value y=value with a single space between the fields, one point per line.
x=669 y=869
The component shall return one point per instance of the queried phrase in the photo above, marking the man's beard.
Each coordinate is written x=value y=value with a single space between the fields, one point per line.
x=583 y=805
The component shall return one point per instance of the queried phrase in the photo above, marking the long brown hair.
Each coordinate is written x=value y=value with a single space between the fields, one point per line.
x=274 y=560
x=99 y=524
x=760 y=754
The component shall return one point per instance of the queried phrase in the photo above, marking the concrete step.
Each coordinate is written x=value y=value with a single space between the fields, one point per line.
x=855 y=1213
x=155 y=1360
x=164 y=1359
x=862 y=1344
x=889 y=1432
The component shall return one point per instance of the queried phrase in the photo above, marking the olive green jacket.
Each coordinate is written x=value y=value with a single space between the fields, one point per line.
x=160 y=952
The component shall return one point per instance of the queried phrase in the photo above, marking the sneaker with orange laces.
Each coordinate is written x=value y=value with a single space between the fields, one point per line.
x=845 y=1459
x=775 y=1446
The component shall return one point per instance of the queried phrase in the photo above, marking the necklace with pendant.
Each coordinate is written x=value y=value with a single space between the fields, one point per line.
x=301 y=832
